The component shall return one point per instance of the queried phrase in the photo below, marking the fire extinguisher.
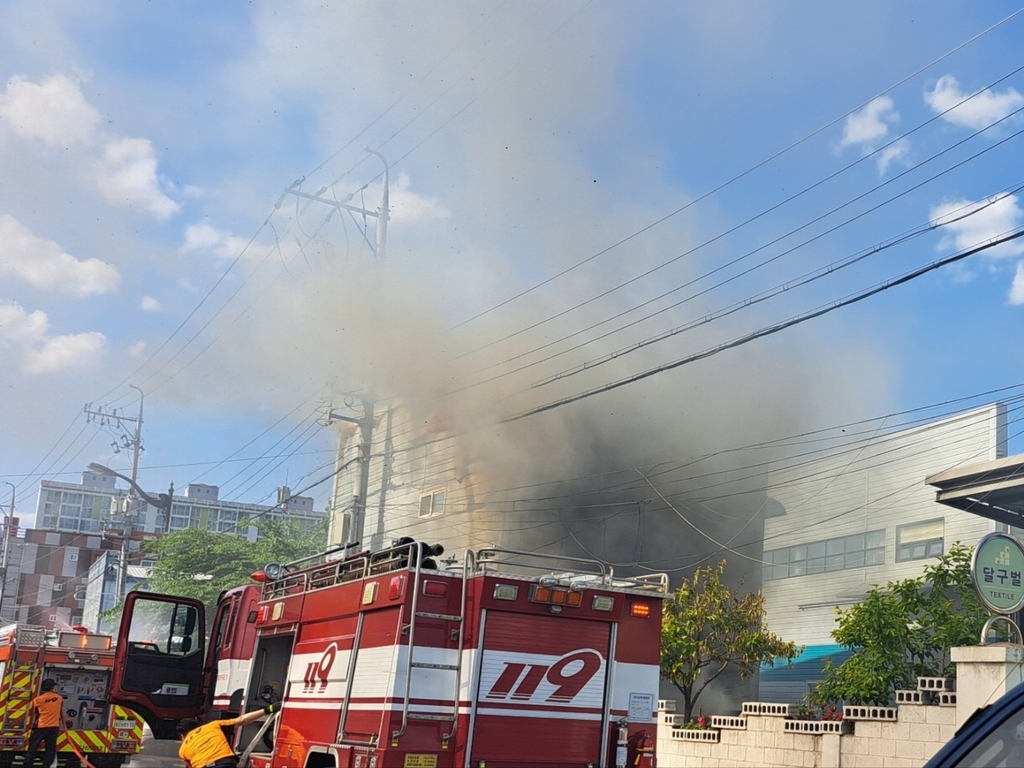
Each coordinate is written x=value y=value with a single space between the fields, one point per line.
x=622 y=744
x=644 y=749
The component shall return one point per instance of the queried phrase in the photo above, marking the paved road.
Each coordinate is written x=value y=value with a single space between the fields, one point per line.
x=156 y=754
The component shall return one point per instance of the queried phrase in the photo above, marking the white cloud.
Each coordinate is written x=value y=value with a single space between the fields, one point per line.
x=1017 y=289
x=409 y=207
x=127 y=177
x=869 y=130
x=219 y=242
x=43 y=264
x=137 y=350
x=60 y=353
x=54 y=111
x=987 y=220
x=869 y=126
x=898 y=152
x=980 y=112
x=17 y=325
x=41 y=353
x=149 y=304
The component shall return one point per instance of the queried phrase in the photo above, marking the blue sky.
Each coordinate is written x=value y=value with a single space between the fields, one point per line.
x=144 y=147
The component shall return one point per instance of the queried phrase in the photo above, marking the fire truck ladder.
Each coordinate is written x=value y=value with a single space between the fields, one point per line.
x=20 y=693
x=455 y=669
x=20 y=676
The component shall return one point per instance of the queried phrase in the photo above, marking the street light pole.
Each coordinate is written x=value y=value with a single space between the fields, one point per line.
x=6 y=548
x=162 y=501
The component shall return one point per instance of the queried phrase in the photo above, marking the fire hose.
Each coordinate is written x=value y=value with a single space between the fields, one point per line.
x=74 y=747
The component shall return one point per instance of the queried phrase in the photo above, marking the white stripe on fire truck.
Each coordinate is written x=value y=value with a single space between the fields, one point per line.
x=378 y=675
x=555 y=714
x=434 y=704
x=378 y=672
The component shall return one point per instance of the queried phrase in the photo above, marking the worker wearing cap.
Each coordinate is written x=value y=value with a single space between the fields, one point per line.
x=45 y=714
x=204 y=745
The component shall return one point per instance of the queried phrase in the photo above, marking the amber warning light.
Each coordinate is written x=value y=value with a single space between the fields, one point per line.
x=556 y=596
x=643 y=610
x=79 y=640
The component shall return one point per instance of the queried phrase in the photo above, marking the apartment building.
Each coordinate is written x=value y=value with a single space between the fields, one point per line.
x=81 y=524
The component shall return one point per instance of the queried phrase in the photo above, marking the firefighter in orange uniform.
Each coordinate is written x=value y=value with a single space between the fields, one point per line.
x=45 y=713
x=204 y=745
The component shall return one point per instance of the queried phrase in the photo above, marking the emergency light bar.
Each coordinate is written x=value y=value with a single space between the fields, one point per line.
x=80 y=640
x=540 y=593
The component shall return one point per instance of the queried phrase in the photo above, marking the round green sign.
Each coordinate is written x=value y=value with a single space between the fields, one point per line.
x=997 y=570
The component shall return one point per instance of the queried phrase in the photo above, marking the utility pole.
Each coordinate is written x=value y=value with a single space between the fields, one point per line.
x=361 y=486
x=365 y=423
x=382 y=228
x=8 y=523
x=131 y=512
x=133 y=504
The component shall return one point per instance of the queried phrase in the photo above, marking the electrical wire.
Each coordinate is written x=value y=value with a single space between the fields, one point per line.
x=767 y=331
x=745 y=173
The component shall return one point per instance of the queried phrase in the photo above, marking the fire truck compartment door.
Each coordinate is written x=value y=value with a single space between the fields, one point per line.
x=544 y=676
x=159 y=659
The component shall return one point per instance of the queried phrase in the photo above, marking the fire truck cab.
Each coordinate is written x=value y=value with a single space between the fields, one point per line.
x=383 y=659
x=94 y=727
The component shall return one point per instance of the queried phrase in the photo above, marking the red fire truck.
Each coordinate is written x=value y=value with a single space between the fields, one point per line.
x=382 y=659
x=81 y=665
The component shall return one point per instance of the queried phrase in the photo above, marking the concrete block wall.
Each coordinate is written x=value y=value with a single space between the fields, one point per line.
x=917 y=733
x=902 y=737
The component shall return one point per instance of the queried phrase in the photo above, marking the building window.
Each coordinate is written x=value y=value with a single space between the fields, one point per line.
x=838 y=554
x=73 y=557
x=919 y=541
x=58 y=586
x=53 y=617
x=432 y=503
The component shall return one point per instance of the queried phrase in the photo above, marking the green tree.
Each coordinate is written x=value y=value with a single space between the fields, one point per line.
x=707 y=628
x=201 y=564
x=903 y=631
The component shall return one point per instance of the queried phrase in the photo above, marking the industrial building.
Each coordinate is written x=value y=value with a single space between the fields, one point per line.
x=839 y=524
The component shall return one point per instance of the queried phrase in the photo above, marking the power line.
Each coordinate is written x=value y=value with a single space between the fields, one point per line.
x=780 y=289
x=767 y=331
x=740 y=176
x=744 y=256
